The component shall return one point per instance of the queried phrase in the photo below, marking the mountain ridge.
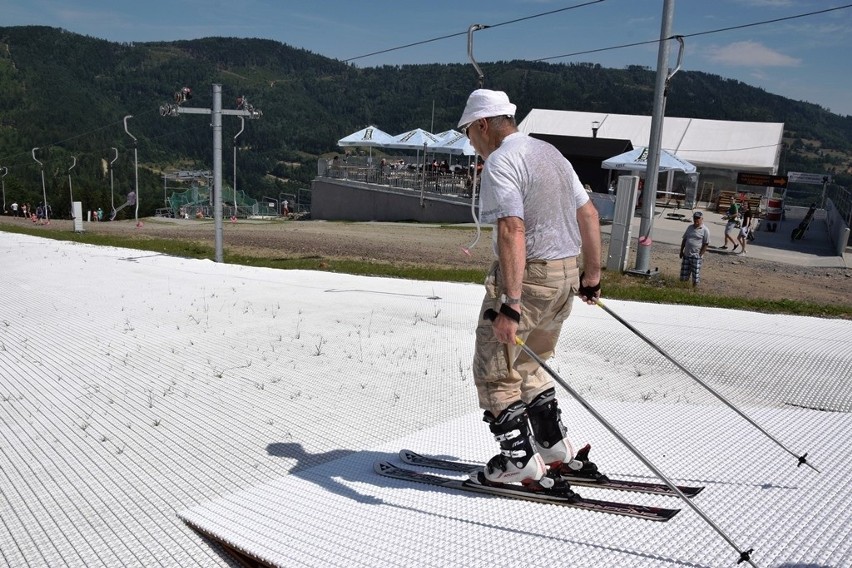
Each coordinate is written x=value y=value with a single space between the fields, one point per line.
x=68 y=94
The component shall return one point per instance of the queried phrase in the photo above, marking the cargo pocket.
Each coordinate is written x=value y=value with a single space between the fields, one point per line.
x=538 y=284
x=538 y=301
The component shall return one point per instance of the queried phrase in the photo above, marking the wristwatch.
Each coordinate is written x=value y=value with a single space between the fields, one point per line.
x=510 y=301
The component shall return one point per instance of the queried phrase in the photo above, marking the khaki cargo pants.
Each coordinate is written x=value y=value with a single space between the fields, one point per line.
x=504 y=373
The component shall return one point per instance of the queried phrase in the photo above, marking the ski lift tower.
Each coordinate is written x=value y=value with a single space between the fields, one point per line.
x=244 y=109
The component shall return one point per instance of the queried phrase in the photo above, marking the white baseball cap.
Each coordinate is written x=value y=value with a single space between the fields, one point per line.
x=484 y=103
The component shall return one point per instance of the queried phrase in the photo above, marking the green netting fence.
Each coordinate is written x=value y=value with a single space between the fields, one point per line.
x=196 y=202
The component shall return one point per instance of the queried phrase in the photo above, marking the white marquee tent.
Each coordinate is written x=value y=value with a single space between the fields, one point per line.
x=739 y=146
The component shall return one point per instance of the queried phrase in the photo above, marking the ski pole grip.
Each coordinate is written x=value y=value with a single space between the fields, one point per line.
x=588 y=292
x=491 y=315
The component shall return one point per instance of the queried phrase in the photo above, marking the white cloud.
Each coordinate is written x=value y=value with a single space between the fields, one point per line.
x=768 y=3
x=750 y=54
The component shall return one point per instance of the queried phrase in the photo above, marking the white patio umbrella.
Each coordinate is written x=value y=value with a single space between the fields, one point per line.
x=637 y=160
x=417 y=138
x=414 y=139
x=454 y=142
x=366 y=138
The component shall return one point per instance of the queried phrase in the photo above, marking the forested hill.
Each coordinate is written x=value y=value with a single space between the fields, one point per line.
x=67 y=94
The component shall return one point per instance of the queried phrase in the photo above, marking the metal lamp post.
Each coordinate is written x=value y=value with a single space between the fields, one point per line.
x=649 y=193
x=247 y=110
x=70 y=190
x=3 y=183
x=111 y=186
x=242 y=127
x=43 y=189
x=135 y=168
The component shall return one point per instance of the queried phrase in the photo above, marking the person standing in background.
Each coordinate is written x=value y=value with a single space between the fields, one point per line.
x=732 y=215
x=745 y=228
x=694 y=244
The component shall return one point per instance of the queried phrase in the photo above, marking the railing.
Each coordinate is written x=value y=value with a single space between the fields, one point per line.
x=455 y=183
x=842 y=199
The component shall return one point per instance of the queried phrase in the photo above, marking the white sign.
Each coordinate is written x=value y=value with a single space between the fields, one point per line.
x=811 y=179
x=77 y=211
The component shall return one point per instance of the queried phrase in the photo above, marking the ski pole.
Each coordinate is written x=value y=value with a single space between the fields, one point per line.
x=745 y=555
x=802 y=459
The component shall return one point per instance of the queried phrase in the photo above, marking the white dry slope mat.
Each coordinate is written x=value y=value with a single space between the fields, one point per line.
x=139 y=391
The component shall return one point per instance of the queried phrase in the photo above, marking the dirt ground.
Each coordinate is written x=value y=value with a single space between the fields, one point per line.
x=722 y=275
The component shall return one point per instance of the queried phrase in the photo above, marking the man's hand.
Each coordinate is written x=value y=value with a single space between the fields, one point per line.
x=590 y=232
x=504 y=324
x=590 y=289
x=505 y=328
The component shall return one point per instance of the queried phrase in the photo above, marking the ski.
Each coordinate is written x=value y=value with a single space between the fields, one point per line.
x=601 y=481
x=550 y=497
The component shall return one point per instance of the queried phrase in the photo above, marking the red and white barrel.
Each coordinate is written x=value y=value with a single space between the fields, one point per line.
x=774 y=207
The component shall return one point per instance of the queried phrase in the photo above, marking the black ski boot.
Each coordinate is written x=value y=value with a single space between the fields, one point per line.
x=545 y=417
x=518 y=460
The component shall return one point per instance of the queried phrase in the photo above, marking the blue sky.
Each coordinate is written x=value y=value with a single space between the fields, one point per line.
x=803 y=59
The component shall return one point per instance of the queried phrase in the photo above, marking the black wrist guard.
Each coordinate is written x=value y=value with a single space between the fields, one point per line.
x=491 y=315
x=510 y=313
x=588 y=291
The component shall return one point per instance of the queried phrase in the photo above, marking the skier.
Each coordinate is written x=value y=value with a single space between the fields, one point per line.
x=544 y=218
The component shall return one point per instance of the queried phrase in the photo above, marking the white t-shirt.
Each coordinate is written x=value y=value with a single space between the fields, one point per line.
x=529 y=178
x=695 y=238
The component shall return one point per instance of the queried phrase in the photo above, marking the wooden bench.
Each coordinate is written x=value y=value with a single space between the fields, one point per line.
x=724 y=201
x=726 y=197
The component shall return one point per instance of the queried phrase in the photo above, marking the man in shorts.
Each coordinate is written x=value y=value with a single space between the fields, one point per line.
x=543 y=219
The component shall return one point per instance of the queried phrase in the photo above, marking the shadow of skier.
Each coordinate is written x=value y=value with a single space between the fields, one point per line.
x=308 y=466
x=357 y=467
